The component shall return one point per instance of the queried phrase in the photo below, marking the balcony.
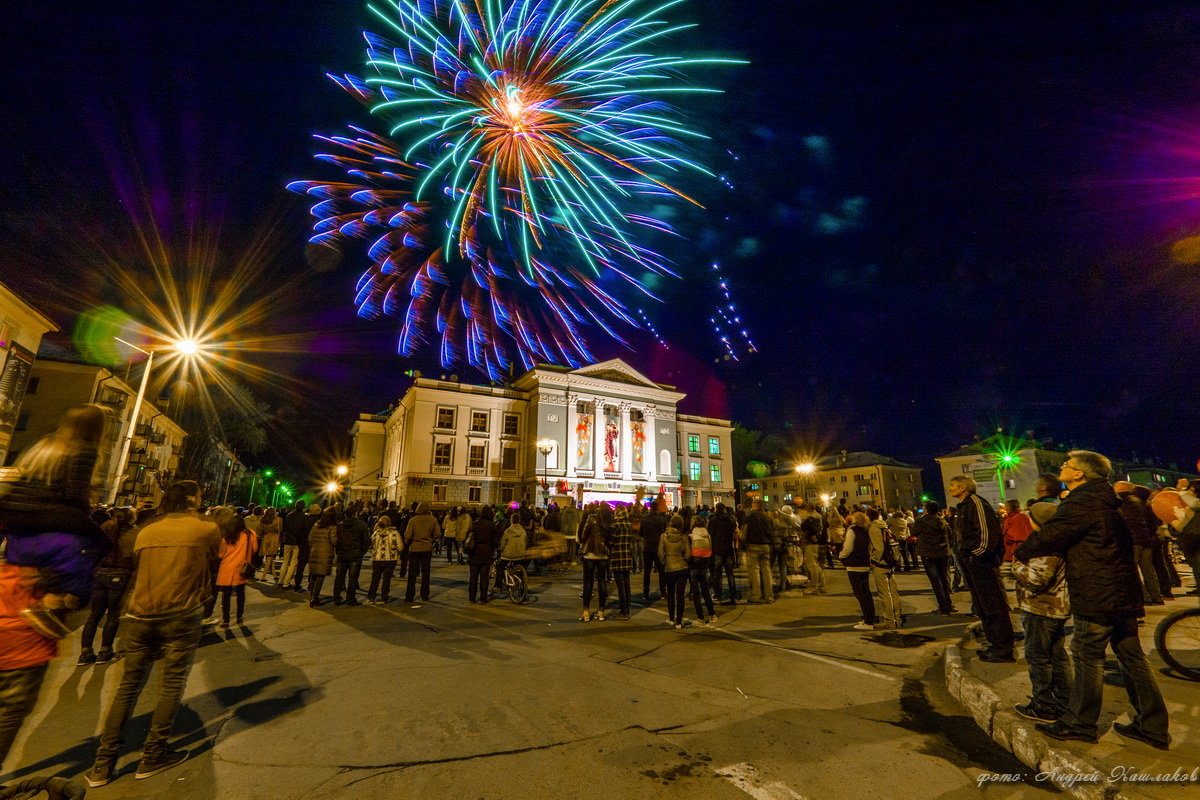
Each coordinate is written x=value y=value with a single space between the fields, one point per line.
x=477 y=471
x=442 y=469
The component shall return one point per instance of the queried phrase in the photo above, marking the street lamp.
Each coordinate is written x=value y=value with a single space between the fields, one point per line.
x=185 y=347
x=805 y=470
x=545 y=447
x=341 y=470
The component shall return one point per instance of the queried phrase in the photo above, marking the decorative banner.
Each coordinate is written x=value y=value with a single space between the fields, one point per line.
x=638 y=431
x=612 y=437
x=583 y=434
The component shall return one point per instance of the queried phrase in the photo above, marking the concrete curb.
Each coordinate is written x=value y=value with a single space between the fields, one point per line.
x=1018 y=736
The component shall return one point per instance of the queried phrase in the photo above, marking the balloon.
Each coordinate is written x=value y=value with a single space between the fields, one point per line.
x=1165 y=503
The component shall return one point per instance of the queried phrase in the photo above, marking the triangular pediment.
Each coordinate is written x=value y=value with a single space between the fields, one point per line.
x=617 y=371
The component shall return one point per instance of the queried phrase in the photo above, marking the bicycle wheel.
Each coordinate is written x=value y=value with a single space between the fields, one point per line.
x=1177 y=639
x=518 y=584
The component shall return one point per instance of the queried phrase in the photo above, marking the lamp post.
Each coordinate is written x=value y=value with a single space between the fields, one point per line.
x=545 y=447
x=805 y=470
x=186 y=347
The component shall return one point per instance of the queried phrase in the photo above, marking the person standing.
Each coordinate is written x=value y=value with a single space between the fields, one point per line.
x=980 y=550
x=1133 y=511
x=835 y=525
x=419 y=535
x=1014 y=530
x=25 y=654
x=812 y=543
x=108 y=589
x=481 y=546
x=622 y=544
x=883 y=567
x=933 y=549
x=570 y=528
x=722 y=532
x=1106 y=602
x=174 y=557
x=856 y=557
x=1042 y=599
x=353 y=542
x=593 y=546
x=756 y=543
x=238 y=545
x=653 y=525
x=698 y=567
x=461 y=532
x=269 y=534
x=387 y=547
x=322 y=549
x=302 y=527
x=674 y=551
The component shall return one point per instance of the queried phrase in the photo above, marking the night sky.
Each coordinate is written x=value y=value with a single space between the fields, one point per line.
x=946 y=217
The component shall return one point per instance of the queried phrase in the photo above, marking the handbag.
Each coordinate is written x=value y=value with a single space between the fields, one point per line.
x=247 y=570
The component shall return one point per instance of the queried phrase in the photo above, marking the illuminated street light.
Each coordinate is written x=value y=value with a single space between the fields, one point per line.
x=332 y=487
x=807 y=468
x=545 y=447
x=341 y=469
x=185 y=347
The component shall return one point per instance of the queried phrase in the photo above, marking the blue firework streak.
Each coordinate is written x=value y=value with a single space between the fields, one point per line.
x=506 y=204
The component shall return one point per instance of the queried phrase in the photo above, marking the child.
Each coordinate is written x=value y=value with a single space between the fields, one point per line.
x=1042 y=598
x=44 y=510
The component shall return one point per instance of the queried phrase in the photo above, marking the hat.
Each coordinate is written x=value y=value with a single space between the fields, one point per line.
x=786 y=509
x=1041 y=512
x=1123 y=487
x=314 y=509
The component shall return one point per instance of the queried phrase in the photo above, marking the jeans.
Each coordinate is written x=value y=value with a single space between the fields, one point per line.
x=812 y=563
x=758 y=564
x=1144 y=558
x=236 y=591
x=315 y=584
x=381 y=573
x=287 y=569
x=779 y=567
x=991 y=604
x=450 y=545
x=346 y=579
x=698 y=578
x=621 y=579
x=937 y=569
x=652 y=564
x=175 y=639
x=889 y=595
x=18 y=695
x=301 y=565
x=1049 y=666
x=418 y=564
x=595 y=571
x=478 y=587
x=676 y=589
x=1091 y=639
x=724 y=564
x=108 y=592
x=860 y=584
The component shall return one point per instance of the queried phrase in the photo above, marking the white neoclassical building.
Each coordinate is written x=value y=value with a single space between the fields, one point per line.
x=594 y=433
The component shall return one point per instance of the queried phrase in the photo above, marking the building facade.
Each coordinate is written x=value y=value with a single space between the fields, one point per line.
x=55 y=386
x=21 y=329
x=862 y=478
x=1003 y=468
x=599 y=432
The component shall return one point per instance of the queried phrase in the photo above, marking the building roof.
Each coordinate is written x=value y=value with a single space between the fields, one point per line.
x=1000 y=443
x=860 y=458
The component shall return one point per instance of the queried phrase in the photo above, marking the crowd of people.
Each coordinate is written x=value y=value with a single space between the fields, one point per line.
x=156 y=575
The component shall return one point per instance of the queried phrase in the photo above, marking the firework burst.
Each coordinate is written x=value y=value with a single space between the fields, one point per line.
x=506 y=209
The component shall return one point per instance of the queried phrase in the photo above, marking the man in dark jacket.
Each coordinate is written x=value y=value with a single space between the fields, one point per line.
x=654 y=525
x=296 y=527
x=1133 y=511
x=353 y=542
x=980 y=551
x=1106 y=602
x=480 y=548
x=722 y=530
x=933 y=548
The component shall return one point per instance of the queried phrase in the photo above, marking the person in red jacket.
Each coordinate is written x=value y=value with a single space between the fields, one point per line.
x=1015 y=528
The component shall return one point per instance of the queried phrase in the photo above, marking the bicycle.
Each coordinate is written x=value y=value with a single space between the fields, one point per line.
x=516 y=580
x=1177 y=639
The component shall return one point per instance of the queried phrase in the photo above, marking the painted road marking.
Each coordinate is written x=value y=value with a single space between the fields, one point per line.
x=752 y=782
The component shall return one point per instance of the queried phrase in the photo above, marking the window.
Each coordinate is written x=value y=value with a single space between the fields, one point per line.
x=754 y=487
x=1010 y=484
x=693 y=443
x=864 y=491
x=506 y=494
x=477 y=456
x=512 y=425
x=439 y=491
x=479 y=421
x=844 y=479
x=509 y=459
x=714 y=446
x=714 y=473
x=966 y=469
x=445 y=418
x=475 y=494
x=32 y=386
x=858 y=477
x=694 y=470
x=22 y=421
x=443 y=452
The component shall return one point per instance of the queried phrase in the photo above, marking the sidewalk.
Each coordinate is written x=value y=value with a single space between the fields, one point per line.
x=1113 y=768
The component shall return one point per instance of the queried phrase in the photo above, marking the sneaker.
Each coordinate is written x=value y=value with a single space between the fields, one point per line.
x=1057 y=730
x=995 y=658
x=105 y=656
x=678 y=626
x=599 y=616
x=86 y=657
x=1030 y=711
x=47 y=622
x=210 y=622
x=712 y=620
x=864 y=626
x=149 y=766
x=623 y=617
x=1134 y=732
x=100 y=774
x=585 y=617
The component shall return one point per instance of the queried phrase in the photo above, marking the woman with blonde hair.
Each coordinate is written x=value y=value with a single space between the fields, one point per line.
x=856 y=557
x=270 y=529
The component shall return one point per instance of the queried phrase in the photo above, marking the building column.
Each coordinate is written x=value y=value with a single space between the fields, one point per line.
x=651 y=444
x=572 y=437
x=626 y=454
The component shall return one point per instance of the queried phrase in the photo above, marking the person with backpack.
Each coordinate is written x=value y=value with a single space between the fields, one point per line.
x=674 y=552
x=883 y=567
x=593 y=546
x=698 y=567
